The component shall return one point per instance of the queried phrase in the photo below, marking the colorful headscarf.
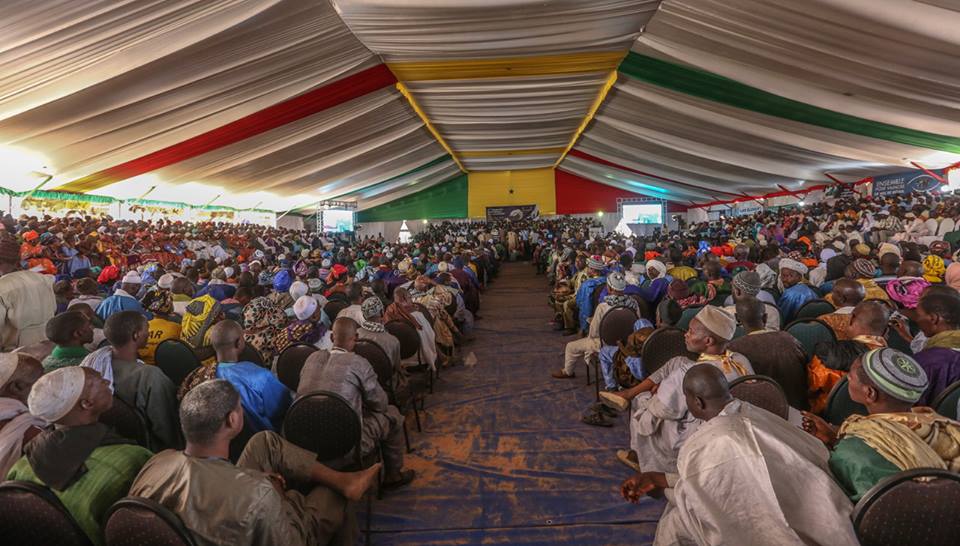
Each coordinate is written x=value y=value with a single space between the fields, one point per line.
x=933 y=268
x=906 y=291
x=159 y=301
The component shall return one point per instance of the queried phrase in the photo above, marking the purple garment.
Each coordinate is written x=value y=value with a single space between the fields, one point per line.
x=943 y=368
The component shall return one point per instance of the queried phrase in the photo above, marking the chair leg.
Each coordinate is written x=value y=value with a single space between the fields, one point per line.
x=588 y=372
x=416 y=415
x=406 y=435
x=596 y=376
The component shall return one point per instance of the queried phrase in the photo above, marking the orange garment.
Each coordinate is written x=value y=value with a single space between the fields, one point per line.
x=821 y=379
x=838 y=323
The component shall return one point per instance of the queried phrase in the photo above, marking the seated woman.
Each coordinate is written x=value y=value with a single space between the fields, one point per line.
x=404 y=310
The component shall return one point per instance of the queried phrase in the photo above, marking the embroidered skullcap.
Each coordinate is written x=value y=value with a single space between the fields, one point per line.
x=298 y=289
x=617 y=281
x=56 y=393
x=315 y=285
x=862 y=249
x=443 y=267
x=748 y=282
x=887 y=248
x=372 y=308
x=132 y=277
x=793 y=265
x=305 y=307
x=8 y=365
x=228 y=272
x=895 y=373
x=165 y=281
x=826 y=254
x=864 y=268
x=325 y=263
x=718 y=321
x=595 y=263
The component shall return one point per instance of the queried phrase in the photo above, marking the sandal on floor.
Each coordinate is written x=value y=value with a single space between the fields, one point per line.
x=406 y=476
x=596 y=419
x=623 y=455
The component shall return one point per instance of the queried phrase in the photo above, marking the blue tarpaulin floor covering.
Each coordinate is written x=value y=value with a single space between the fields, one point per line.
x=503 y=457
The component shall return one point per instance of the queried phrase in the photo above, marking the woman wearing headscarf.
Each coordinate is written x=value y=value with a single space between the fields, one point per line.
x=933 y=268
x=658 y=282
x=404 y=310
x=163 y=326
x=952 y=276
x=307 y=327
x=262 y=320
x=200 y=314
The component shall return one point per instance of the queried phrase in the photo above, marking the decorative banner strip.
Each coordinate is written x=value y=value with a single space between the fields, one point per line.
x=505 y=153
x=601 y=96
x=706 y=85
x=509 y=67
x=426 y=121
x=299 y=107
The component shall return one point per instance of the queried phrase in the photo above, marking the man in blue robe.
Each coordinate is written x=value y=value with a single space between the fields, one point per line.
x=795 y=291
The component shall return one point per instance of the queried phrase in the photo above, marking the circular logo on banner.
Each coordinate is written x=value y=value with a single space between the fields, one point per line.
x=923 y=182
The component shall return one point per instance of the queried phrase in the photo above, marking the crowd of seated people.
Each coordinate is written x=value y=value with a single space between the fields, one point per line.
x=89 y=304
x=876 y=279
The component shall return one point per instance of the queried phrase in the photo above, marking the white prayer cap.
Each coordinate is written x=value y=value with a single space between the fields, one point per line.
x=443 y=267
x=8 y=366
x=305 y=307
x=165 y=281
x=228 y=272
x=717 y=321
x=298 y=289
x=887 y=248
x=56 y=393
x=793 y=265
x=325 y=263
x=132 y=277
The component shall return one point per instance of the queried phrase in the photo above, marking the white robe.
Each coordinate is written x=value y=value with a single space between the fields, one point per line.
x=748 y=477
x=661 y=423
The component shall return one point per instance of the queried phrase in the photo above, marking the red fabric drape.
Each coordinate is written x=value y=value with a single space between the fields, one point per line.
x=299 y=107
x=578 y=195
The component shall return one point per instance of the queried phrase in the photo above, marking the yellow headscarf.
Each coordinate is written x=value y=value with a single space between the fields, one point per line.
x=934 y=268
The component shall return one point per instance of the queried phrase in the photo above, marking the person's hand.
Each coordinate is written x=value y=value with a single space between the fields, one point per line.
x=820 y=429
x=899 y=324
x=279 y=483
x=655 y=388
x=644 y=483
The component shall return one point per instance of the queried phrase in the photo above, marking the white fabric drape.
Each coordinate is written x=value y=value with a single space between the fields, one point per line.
x=408 y=185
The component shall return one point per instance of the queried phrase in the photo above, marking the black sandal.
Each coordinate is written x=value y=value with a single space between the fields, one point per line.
x=596 y=419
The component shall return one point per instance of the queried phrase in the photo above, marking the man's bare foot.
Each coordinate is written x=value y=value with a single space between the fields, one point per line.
x=360 y=481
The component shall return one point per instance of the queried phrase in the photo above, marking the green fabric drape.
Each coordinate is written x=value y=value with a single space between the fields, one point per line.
x=445 y=200
x=699 y=83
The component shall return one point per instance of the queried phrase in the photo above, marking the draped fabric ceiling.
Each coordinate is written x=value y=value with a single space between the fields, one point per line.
x=278 y=104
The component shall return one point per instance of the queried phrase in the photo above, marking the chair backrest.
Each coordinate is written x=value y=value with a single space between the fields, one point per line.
x=32 y=514
x=840 y=405
x=251 y=354
x=595 y=295
x=761 y=391
x=946 y=402
x=290 y=364
x=127 y=421
x=323 y=423
x=912 y=508
x=662 y=345
x=378 y=360
x=687 y=316
x=176 y=359
x=617 y=325
x=407 y=336
x=953 y=237
x=809 y=332
x=135 y=521
x=815 y=308
x=643 y=307
x=333 y=308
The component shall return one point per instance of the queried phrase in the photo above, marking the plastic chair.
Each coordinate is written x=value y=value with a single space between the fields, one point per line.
x=687 y=316
x=662 y=345
x=176 y=360
x=127 y=421
x=409 y=347
x=32 y=514
x=912 y=508
x=763 y=392
x=809 y=332
x=380 y=362
x=290 y=364
x=615 y=327
x=251 y=354
x=815 y=308
x=135 y=521
x=946 y=402
x=840 y=405
x=333 y=308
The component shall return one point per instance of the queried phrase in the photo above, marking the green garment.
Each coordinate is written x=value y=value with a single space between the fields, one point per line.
x=110 y=472
x=62 y=357
x=857 y=467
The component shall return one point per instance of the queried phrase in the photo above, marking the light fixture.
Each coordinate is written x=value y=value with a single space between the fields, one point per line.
x=801 y=203
x=600 y=214
x=801 y=182
x=426 y=221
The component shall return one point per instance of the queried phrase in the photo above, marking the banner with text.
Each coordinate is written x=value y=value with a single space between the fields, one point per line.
x=904 y=183
x=513 y=213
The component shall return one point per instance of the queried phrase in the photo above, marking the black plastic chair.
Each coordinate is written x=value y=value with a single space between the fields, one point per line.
x=945 y=403
x=32 y=514
x=815 y=308
x=810 y=332
x=840 y=405
x=912 y=508
x=290 y=364
x=763 y=392
x=409 y=340
x=380 y=362
x=127 y=421
x=426 y=312
x=176 y=360
x=662 y=345
x=333 y=308
x=135 y=521
x=615 y=327
x=251 y=354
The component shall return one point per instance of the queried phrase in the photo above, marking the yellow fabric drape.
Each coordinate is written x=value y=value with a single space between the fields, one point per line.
x=508 y=67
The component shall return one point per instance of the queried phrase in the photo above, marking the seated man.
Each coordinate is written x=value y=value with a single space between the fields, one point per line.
x=355 y=309
x=342 y=371
x=745 y=476
x=143 y=387
x=773 y=353
x=305 y=329
x=264 y=398
x=71 y=331
x=795 y=291
x=584 y=347
x=88 y=467
x=868 y=322
x=893 y=436
x=747 y=284
x=18 y=373
x=845 y=295
x=124 y=298
x=660 y=421
x=938 y=316
x=258 y=501
x=371 y=328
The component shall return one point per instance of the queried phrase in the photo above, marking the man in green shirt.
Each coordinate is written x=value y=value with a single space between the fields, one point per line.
x=894 y=436
x=87 y=467
x=71 y=331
